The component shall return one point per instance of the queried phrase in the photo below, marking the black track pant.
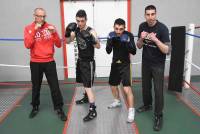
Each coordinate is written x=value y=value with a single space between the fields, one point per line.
x=49 y=69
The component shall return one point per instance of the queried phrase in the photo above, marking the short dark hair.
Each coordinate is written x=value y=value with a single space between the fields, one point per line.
x=119 y=21
x=81 y=13
x=150 y=7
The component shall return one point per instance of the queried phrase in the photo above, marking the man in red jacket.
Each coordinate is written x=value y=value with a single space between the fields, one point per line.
x=40 y=37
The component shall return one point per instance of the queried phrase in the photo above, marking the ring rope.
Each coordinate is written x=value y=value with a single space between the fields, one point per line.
x=196 y=66
x=27 y=66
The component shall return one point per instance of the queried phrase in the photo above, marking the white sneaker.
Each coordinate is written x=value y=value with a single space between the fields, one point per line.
x=115 y=104
x=131 y=115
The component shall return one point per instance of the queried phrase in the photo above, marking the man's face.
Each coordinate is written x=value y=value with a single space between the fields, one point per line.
x=39 y=16
x=119 y=29
x=150 y=16
x=81 y=22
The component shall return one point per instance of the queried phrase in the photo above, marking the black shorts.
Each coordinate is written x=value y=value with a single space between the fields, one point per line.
x=85 y=72
x=120 y=72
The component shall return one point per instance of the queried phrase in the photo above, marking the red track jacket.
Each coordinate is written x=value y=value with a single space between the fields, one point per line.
x=41 y=42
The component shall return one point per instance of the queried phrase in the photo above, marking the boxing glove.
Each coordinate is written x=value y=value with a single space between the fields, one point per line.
x=113 y=37
x=88 y=37
x=124 y=38
x=71 y=27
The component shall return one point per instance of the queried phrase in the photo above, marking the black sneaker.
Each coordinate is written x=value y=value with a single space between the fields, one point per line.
x=83 y=100
x=144 y=108
x=61 y=114
x=91 y=115
x=34 y=112
x=158 y=122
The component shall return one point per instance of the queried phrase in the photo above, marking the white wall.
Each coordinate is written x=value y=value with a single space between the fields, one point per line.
x=101 y=16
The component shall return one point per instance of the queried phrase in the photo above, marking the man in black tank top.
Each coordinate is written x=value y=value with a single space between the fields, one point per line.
x=153 y=36
x=87 y=40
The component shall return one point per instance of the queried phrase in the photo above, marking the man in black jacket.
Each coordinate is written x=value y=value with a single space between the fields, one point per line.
x=122 y=43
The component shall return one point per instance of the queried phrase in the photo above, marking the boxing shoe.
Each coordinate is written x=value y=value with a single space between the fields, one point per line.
x=116 y=103
x=91 y=115
x=83 y=100
x=131 y=115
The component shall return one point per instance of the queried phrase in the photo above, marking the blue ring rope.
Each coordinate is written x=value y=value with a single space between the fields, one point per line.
x=197 y=36
x=101 y=38
x=11 y=39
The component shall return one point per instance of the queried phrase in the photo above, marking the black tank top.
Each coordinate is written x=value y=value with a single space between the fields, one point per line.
x=86 y=50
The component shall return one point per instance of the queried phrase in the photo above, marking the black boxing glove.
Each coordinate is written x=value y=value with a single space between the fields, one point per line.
x=88 y=37
x=71 y=27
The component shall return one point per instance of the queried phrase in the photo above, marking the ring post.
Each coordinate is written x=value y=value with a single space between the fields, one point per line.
x=188 y=55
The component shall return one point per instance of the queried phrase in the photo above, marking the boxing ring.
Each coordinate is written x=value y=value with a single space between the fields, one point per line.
x=108 y=121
